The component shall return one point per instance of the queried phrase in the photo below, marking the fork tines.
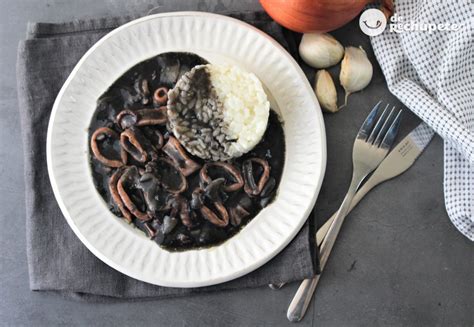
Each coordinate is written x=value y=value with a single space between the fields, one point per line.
x=380 y=132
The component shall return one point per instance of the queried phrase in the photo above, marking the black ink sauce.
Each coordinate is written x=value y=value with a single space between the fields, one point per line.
x=127 y=93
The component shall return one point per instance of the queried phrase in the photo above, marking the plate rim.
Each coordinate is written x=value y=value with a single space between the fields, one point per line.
x=212 y=281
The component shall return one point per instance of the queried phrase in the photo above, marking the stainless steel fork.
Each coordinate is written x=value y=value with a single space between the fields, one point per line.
x=371 y=145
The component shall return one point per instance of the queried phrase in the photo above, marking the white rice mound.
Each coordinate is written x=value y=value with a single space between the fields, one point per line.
x=245 y=106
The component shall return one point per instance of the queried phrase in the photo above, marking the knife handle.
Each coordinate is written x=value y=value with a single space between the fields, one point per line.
x=363 y=190
x=323 y=230
x=304 y=294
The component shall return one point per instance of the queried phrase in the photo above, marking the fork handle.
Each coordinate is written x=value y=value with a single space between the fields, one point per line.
x=303 y=296
x=323 y=230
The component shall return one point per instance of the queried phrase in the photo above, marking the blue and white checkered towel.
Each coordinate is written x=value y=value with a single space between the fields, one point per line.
x=431 y=72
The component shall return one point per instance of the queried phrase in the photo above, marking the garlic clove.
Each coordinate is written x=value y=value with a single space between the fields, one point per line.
x=356 y=71
x=320 y=50
x=326 y=91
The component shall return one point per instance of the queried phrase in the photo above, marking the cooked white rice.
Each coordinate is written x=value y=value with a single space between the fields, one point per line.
x=218 y=112
x=246 y=107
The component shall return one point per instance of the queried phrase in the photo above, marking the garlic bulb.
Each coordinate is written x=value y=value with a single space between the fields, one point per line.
x=356 y=71
x=320 y=50
x=326 y=91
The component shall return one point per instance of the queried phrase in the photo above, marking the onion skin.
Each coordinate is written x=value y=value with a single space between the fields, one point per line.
x=307 y=16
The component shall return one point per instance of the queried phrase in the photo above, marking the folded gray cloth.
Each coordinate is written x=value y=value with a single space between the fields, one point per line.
x=57 y=260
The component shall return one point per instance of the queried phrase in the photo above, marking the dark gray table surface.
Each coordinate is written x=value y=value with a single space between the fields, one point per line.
x=398 y=261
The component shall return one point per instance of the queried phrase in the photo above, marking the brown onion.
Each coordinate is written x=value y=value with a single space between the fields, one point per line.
x=318 y=15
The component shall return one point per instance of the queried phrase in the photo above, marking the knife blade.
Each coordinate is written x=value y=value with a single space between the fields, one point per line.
x=402 y=156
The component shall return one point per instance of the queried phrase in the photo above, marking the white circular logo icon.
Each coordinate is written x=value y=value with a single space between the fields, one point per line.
x=372 y=22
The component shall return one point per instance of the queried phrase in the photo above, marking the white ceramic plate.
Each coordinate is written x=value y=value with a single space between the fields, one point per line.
x=218 y=39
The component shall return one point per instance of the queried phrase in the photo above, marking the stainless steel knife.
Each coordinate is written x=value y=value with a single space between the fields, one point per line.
x=397 y=161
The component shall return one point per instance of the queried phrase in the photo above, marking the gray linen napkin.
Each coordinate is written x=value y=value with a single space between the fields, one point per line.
x=57 y=260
